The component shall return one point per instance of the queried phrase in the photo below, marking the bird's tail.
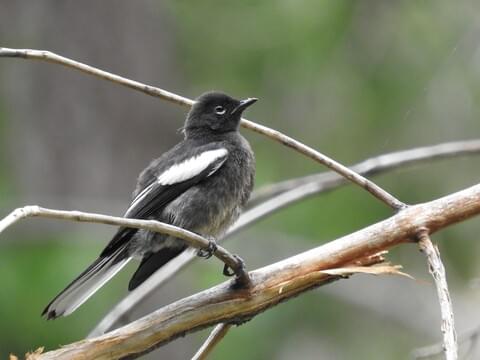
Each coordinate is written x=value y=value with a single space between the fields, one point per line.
x=87 y=283
x=153 y=262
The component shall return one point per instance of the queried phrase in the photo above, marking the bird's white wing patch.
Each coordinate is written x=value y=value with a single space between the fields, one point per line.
x=139 y=198
x=191 y=167
x=185 y=170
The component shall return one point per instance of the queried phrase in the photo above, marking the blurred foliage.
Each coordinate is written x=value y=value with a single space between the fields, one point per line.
x=352 y=79
x=52 y=262
x=6 y=194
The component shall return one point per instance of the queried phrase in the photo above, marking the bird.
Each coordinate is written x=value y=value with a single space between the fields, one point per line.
x=201 y=185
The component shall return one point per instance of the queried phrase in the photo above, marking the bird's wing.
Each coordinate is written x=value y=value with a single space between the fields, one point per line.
x=172 y=182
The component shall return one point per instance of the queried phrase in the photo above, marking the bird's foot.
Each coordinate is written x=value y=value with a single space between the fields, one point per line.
x=209 y=250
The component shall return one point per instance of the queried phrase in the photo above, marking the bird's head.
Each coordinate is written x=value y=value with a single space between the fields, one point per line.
x=215 y=112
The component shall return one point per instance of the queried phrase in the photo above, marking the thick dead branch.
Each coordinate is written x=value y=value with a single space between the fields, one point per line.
x=437 y=270
x=294 y=190
x=217 y=334
x=366 y=184
x=194 y=240
x=274 y=283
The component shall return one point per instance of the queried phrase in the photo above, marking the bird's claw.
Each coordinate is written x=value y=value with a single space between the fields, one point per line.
x=228 y=271
x=209 y=250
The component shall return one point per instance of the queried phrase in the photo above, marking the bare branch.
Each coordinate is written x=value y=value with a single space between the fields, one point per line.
x=53 y=58
x=374 y=166
x=191 y=238
x=274 y=283
x=213 y=339
x=283 y=139
x=436 y=268
x=48 y=56
x=344 y=171
x=295 y=190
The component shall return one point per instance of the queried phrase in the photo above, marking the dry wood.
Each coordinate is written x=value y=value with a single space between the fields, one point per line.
x=228 y=303
x=437 y=270
x=285 y=194
x=274 y=283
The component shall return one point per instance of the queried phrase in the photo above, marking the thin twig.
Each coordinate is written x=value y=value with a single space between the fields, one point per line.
x=53 y=58
x=438 y=348
x=316 y=184
x=437 y=270
x=217 y=334
x=366 y=184
x=191 y=238
x=272 y=284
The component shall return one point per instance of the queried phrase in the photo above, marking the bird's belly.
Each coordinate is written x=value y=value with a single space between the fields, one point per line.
x=203 y=211
x=189 y=211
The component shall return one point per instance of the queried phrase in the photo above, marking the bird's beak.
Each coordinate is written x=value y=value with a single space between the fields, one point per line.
x=244 y=104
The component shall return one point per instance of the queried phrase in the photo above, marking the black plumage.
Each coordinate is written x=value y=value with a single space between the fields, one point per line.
x=201 y=184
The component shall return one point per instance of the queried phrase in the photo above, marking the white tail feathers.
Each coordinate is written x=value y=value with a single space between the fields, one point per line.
x=83 y=287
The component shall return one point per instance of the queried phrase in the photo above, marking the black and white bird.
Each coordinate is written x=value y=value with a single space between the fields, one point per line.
x=201 y=184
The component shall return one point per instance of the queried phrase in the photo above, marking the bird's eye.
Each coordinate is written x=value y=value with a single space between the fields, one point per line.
x=220 y=110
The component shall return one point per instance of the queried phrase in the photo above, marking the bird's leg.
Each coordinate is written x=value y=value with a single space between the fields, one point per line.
x=209 y=250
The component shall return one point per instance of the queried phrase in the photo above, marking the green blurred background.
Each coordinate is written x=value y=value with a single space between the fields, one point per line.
x=353 y=79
